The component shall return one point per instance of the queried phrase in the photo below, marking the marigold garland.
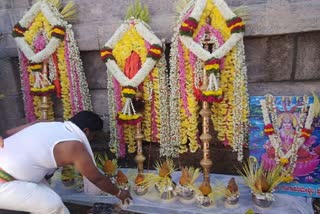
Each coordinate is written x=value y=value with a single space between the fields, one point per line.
x=230 y=108
x=58 y=48
x=133 y=35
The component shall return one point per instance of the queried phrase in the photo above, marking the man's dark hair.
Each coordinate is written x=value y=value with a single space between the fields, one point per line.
x=87 y=119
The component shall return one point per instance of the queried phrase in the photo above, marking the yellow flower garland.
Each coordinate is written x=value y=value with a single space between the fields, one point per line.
x=39 y=22
x=224 y=112
x=155 y=84
x=146 y=122
x=65 y=86
x=193 y=105
x=132 y=41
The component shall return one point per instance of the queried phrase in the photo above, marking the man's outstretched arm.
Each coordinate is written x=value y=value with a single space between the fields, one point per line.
x=84 y=164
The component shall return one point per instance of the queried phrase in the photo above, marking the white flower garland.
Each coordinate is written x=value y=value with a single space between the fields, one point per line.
x=275 y=139
x=196 y=48
x=147 y=66
x=166 y=147
x=239 y=126
x=114 y=139
x=41 y=6
x=54 y=18
x=240 y=104
x=175 y=84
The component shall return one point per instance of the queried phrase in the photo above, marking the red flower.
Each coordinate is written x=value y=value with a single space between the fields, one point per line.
x=268 y=129
x=305 y=133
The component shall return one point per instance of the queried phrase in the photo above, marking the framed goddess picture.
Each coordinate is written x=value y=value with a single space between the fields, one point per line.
x=283 y=128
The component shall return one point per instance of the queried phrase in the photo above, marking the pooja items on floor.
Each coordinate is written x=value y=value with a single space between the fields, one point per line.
x=205 y=198
x=262 y=182
x=162 y=181
x=232 y=194
x=122 y=180
x=185 y=188
x=139 y=187
x=110 y=168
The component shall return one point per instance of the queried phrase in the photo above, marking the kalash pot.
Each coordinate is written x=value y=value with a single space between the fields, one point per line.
x=263 y=200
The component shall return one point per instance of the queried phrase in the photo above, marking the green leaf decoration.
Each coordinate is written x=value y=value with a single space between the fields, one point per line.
x=138 y=11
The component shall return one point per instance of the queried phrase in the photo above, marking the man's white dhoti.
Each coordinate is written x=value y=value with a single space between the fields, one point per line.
x=37 y=198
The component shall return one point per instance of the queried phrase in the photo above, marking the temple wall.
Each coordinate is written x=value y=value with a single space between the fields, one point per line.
x=282 y=47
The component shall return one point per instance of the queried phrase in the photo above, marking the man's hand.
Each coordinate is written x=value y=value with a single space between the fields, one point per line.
x=124 y=196
x=1 y=142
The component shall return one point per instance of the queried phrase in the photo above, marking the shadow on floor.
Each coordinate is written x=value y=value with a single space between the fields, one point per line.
x=73 y=208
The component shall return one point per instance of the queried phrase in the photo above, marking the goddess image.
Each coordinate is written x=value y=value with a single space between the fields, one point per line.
x=307 y=158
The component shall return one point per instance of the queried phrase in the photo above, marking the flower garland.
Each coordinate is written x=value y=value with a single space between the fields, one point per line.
x=194 y=17
x=150 y=80
x=271 y=129
x=128 y=114
x=227 y=87
x=43 y=36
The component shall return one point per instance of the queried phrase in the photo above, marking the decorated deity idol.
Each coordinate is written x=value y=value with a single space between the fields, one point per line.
x=137 y=86
x=50 y=61
x=207 y=64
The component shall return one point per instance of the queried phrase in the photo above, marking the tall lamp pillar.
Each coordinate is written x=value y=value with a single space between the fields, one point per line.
x=140 y=158
x=205 y=137
x=44 y=106
x=205 y=113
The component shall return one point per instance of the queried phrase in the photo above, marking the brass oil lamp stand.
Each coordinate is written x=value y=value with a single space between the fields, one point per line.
x=140 y=158
x=205 y=113
x=44 y=106
x=205 y=137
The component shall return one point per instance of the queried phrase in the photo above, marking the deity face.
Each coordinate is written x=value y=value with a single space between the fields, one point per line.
x=287 y=123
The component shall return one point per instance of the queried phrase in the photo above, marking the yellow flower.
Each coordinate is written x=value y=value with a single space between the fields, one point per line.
x=213 y=66
x=213 y=93
x=128 y=117
x=284 y=161
x=288 y=179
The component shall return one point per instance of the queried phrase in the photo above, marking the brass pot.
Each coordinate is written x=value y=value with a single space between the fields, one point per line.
x=204 y=201
x=168 y=191
x=263 y=200
x=185 y=192
x=233 y=199
x=140 y=190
